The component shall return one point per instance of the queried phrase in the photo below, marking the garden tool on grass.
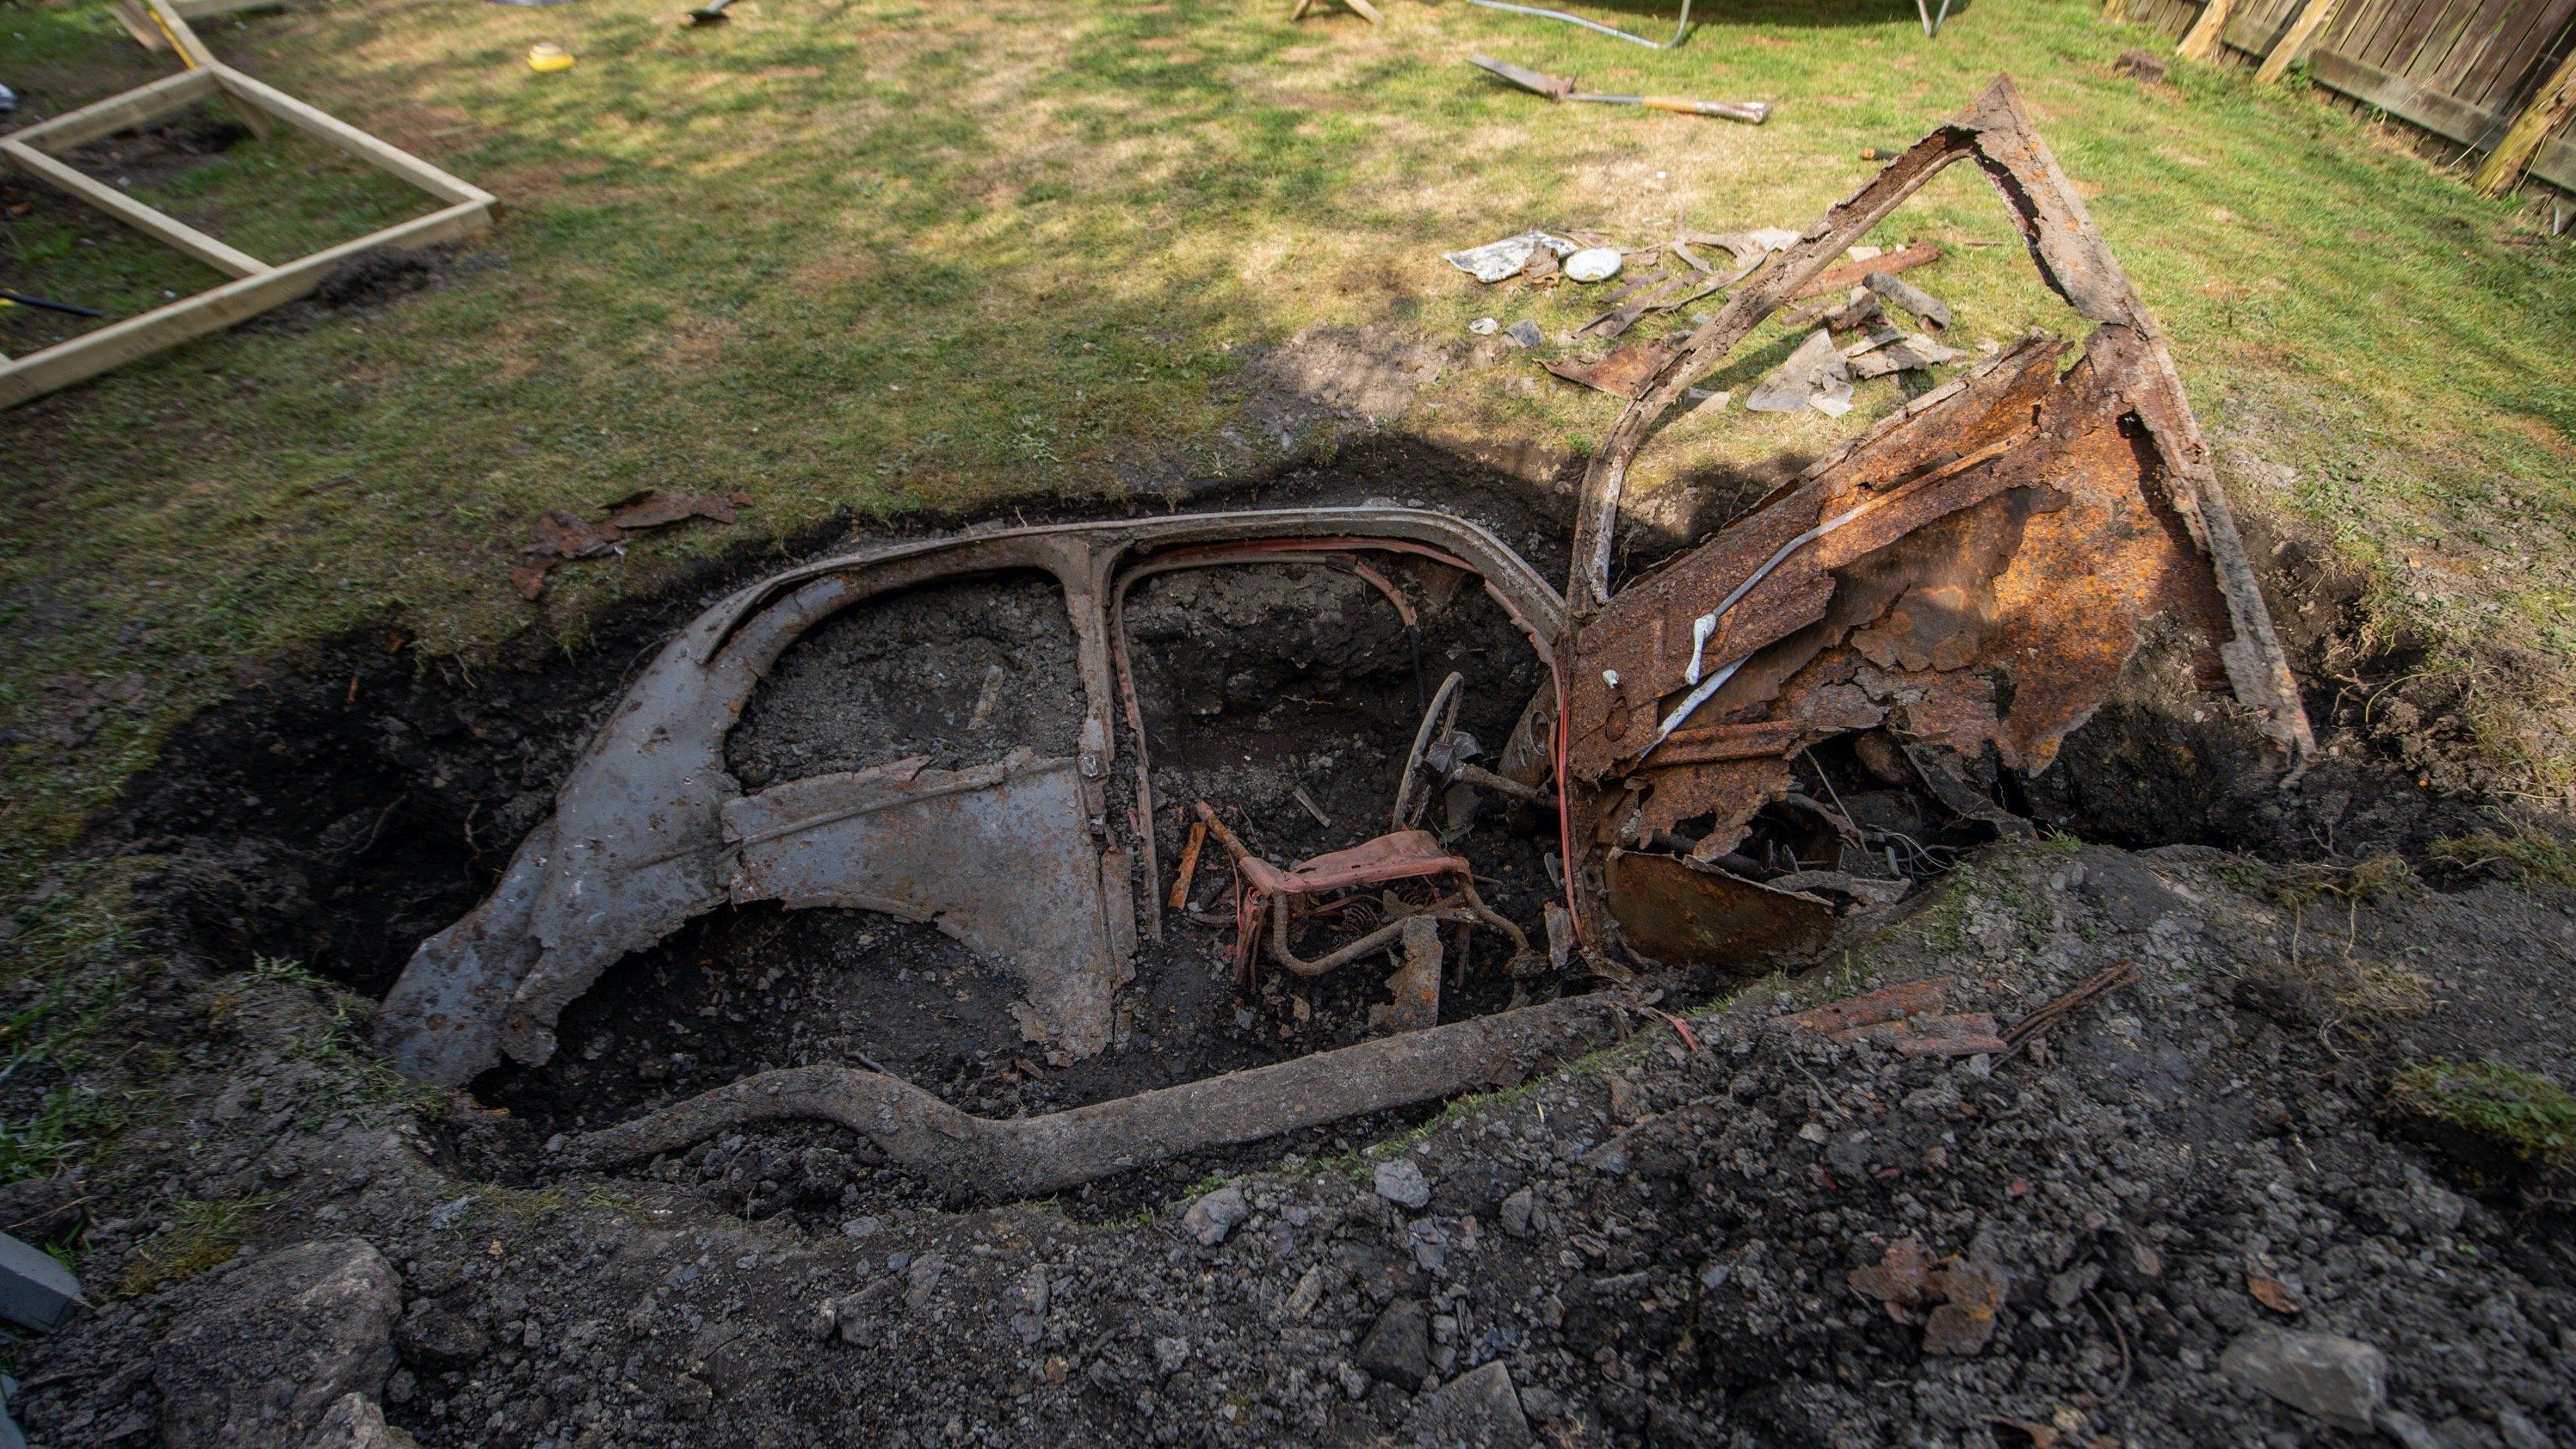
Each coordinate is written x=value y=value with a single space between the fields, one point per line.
x=1561 y=88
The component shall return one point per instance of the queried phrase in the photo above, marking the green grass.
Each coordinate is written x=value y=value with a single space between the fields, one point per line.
x=75 y=943
x=201 y=1234
x=2517 y=1111
x=350 y=1078
x=2522 y=849
x=880 y=255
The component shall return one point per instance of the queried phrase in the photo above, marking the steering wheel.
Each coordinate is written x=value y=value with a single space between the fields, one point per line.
x=1438 y=723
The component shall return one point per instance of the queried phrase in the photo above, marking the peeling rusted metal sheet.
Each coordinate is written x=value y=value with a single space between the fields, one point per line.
x=2134 y=373
x=1678 y=912
x=1972 y=574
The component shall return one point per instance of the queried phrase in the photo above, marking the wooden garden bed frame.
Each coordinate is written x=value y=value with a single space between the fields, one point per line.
x=256 y=286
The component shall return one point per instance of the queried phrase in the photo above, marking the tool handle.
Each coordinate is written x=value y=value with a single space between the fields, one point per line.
x=1750 y=112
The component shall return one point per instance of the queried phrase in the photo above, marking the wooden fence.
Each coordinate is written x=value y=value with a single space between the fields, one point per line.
x=2463 y=70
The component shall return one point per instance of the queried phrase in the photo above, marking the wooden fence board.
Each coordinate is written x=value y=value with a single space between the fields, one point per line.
x=2256 y=27
x=2516 y=67
x=2480 y=42
x=2443 y=115
x=2460 y=69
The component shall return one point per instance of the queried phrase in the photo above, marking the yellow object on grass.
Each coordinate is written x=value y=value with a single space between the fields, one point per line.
x=546 y=57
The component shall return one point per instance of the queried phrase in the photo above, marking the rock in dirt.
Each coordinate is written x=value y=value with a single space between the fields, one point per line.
x=435 y=1339
x=2409 y=1431
x=42 y=1209
x=355 y=1422
x=1401 y=1182
x=1215 y=1215
x=2342 y=1380
x=1478 y=1410
x=277 y=1345
x=1398 y=1346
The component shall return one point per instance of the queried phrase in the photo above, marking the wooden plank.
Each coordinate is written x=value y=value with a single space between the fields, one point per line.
x=2548 y=110
x=194 y=52
x=92 y=353
x=2171 y=18
x=2446 y=116
x=348 y=138
x=119 y=112
x=2255 y=29
x=2374 y=37
x=2312 y=18
x=2555 y=163
x=139 y=25
x=2482 y=37
x=209 y=9
x=2201 y=41
x=2516 y=70
x=191 y=49
x=2358 y=19
x=133 y=213
x=2427 y=58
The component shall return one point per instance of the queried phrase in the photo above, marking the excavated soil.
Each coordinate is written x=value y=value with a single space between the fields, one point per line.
x=1654 y=1248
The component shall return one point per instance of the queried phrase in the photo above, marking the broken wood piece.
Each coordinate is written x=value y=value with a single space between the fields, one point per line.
x=1836 y=278
x=988 y=1160
x=1190 y=848
x=1890 y=1003
x=2040 y=1020
x=1624 y=311
x=1308 y=801
x=1910 y=297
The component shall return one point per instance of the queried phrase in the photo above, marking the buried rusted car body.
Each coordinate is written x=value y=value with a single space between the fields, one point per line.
x=1964 y=584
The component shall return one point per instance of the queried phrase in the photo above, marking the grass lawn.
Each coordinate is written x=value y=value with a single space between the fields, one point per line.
x=877 y=255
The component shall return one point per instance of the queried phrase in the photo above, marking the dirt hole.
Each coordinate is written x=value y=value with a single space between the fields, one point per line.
x=340 y=810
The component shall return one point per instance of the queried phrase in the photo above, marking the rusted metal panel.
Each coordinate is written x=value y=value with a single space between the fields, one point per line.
x=998 y=856
x=2126 y=350
x=1673 y=911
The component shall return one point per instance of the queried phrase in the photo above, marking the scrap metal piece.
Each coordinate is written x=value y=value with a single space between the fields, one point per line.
x=999 y=856
x=978 y=1157
x=2126 y=351
x=1621 y=373
x=1415 y=986
x=1971 y=574
x=1675 y=911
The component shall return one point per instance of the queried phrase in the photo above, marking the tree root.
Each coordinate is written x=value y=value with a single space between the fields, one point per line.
x=980 y=1157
